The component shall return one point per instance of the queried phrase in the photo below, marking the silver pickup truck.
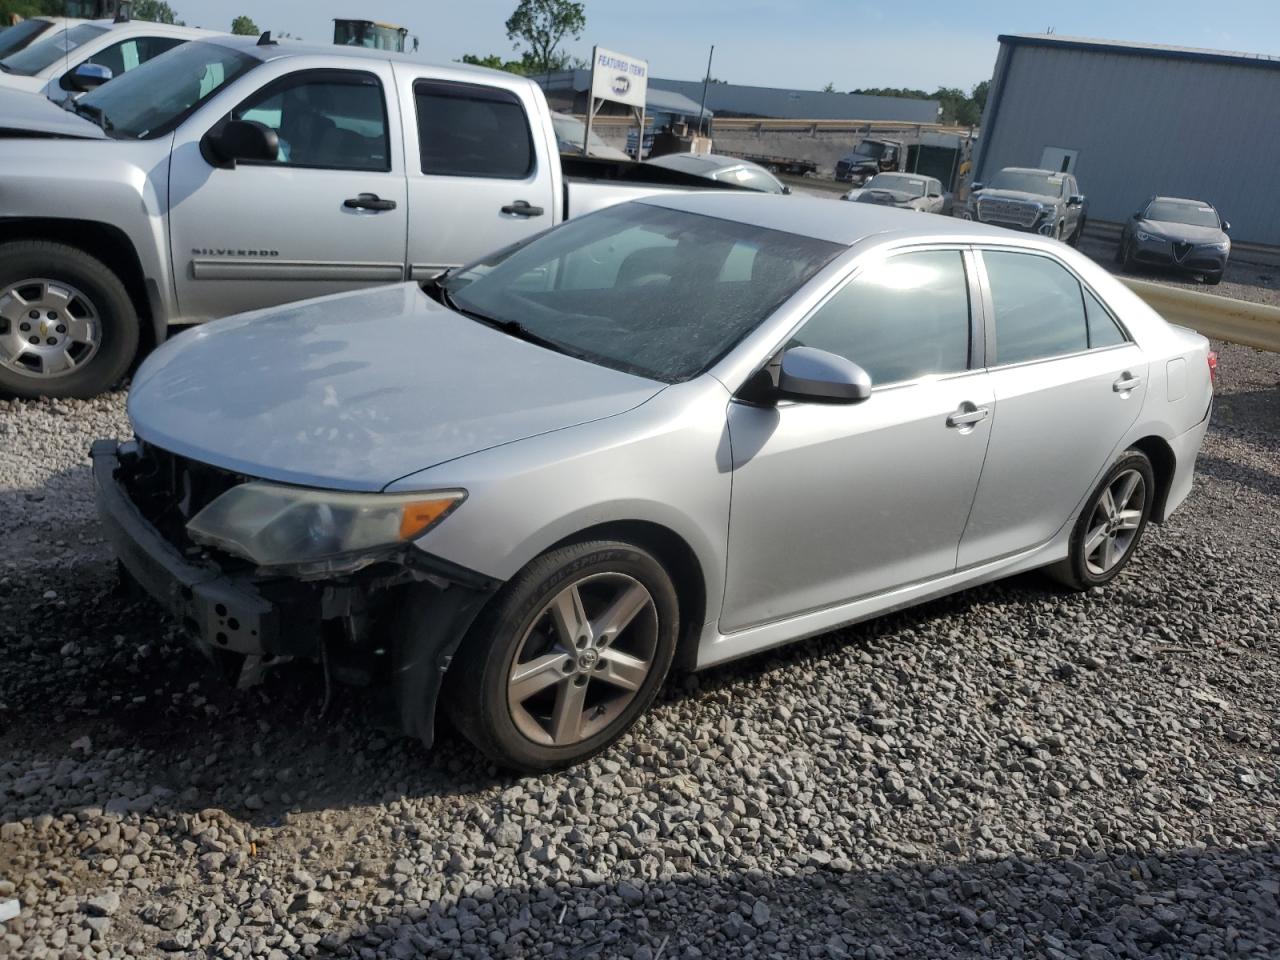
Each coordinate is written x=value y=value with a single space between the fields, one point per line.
x=231 y=174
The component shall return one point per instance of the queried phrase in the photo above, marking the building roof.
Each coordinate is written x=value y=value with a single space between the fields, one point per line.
x=666 y=101
x=1140 y=49
x=771 y=102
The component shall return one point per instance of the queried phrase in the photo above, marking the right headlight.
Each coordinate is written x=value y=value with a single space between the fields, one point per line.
x=1144 y=236
x=316 y=531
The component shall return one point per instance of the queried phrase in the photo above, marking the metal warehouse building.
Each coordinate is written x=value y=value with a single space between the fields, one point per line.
x=1131 y=120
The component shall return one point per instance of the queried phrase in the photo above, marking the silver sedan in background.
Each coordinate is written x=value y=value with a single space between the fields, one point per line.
x=906 y=191
x=681 y=430
x=724 y=169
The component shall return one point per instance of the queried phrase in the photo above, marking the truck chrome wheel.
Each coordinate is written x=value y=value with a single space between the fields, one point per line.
x=583 y=659
x=47 y=328
x=1116 y=519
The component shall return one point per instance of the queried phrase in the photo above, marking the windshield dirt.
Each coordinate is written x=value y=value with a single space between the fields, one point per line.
x=637 y=287
x=154 y=98
x=1027 y=181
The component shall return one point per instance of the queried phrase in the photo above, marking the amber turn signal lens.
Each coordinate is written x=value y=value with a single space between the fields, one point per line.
x=417 y=516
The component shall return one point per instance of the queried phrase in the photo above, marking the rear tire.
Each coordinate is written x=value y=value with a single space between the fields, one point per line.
x=67 y=325
x=1110 y=525
x=546 y=677
x=1212 y=279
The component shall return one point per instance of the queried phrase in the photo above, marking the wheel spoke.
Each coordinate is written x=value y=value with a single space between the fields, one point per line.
x=622 y=669
x=81 y=330
x=569 y=617
x=566 y=716
x=13 y=307
x=54 y=296
x=1129 y=519
x=1096 y=538
x=1128 y=484
x=1108 y=504
x=626 y=605
x=536 y=675
x=1108 y=553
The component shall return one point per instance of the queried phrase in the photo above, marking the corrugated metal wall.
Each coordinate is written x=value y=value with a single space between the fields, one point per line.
x=1145 y=124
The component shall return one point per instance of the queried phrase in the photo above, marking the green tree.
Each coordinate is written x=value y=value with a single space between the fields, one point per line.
x=979 y=96
x=22 y=9
x=540 y=26
x=495 y=62
x=155 y=10
x=829 y=88
x=245 y=27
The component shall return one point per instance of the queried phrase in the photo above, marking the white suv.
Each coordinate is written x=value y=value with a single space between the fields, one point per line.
x=49 y=64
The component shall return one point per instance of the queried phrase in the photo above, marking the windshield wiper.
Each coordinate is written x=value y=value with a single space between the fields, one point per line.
x=512 y=328
x=90 y=112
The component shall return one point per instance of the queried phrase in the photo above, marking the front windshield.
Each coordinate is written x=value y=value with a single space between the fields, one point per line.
x=899 y=184
x=1192 y=214
x=660 y=293
x=18 y=36
x=1028 y=181
x=42 y=53
x=869 y=148
x=155 y=97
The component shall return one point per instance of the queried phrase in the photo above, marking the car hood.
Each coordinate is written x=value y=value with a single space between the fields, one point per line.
x=21 y=83
x=877 y=195
x=23 y=112
x=1019 y=195
x=1182 y=231
x=357 y=390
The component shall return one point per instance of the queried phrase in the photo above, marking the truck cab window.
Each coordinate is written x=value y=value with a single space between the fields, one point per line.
x=470 y=130
x=122 y=57
x=330 y=121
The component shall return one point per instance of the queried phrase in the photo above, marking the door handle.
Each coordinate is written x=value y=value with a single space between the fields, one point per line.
x=1126 y=383
x=522 y=208
x=967 y=418
x=368 y=201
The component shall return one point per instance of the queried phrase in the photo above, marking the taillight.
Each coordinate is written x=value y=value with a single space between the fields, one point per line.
x=1213 y=368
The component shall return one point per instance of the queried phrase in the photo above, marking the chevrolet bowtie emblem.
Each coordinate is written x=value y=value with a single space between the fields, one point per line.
x=44 y=328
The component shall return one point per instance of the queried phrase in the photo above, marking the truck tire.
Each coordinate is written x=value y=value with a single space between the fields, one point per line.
x=67 y=325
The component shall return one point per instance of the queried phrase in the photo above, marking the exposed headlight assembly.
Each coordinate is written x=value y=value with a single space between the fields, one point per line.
x=316 y=531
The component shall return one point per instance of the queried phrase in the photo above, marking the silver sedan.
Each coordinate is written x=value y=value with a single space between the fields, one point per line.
x=676 y=431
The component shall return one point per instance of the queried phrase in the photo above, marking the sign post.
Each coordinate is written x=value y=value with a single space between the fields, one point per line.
x=620 y=79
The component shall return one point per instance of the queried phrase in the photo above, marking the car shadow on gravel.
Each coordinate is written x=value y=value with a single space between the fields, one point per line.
x=1251 y=415
x=1214 y=901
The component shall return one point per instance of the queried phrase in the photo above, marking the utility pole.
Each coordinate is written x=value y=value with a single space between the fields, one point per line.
x=702 y=110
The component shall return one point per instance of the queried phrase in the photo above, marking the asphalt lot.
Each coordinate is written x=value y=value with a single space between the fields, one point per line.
x=1012 y=771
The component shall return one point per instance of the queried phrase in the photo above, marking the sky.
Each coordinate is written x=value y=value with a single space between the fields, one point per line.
x=804 y=45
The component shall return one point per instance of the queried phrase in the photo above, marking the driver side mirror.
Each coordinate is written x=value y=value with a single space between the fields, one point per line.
x=786 y=190
x=1075 y=200
x=811 y=375
x=976 y=186
x=240 y=140
x=86 y=77
x=1226 y=226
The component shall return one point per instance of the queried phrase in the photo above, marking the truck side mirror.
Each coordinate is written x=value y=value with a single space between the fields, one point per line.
x=977 y=185
x=86 y=77
x=1226 y=226
x=237 y=140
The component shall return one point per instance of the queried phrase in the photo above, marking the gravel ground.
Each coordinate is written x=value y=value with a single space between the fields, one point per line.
x=1013 y=771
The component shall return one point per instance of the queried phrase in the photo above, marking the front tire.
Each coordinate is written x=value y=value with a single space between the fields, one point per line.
x=67 y=325
x=1110 y=525
x=566 y=657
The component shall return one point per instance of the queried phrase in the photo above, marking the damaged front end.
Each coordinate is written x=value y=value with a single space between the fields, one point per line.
x=391 y=615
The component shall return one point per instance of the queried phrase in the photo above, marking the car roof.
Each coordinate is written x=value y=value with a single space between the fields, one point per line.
x=825 y=219
x=1047 y=173
x=154 y=28
x=293 y=48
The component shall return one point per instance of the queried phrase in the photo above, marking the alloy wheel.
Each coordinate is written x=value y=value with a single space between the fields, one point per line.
x=1114 y=524
x=48 y=328
x=583 y=659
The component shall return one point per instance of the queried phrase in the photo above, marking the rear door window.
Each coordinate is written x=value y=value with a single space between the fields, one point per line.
x=1039 y=307
x=471 y=130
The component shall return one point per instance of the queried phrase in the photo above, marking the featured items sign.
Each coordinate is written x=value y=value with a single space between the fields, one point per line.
x=618 y=77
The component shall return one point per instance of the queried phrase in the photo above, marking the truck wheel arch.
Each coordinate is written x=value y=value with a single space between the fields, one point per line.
x=113 y=247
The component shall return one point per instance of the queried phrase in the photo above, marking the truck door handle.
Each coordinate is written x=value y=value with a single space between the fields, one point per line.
x=967 y=418
x=522 y=208
x=368 y=201
x=1126 y=383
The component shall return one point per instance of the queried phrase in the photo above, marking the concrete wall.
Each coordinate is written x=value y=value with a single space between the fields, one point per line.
x=1143 y=124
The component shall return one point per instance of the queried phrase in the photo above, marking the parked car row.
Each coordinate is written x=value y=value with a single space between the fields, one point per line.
x=531 y=469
